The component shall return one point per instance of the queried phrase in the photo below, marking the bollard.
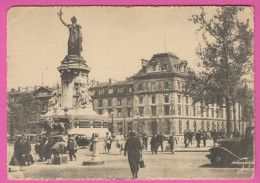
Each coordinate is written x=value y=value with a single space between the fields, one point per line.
x=95 y=160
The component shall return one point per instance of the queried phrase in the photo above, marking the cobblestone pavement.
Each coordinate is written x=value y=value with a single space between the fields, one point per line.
x=164 y=165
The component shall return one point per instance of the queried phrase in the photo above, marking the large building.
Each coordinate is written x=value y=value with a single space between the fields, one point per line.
x=153 y=101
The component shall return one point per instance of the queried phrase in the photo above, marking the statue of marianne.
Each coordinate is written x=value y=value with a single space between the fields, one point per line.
x=75 y=36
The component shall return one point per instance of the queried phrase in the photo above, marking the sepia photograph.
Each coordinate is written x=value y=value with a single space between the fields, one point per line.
x=122 y=93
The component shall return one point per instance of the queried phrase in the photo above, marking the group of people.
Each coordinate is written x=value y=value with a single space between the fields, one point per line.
x=157 y=141
x=22 y=152
x=200 y=135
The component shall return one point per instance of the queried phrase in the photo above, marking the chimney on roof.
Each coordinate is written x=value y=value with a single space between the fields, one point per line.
x=27 y=89
x=144 y=64
x=12 y=90
x=19 y=89
x=110 y=81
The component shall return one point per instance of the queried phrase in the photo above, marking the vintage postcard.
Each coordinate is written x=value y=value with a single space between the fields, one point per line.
x=140 y=92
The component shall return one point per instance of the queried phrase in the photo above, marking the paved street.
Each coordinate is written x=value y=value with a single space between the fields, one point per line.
x=181 y=165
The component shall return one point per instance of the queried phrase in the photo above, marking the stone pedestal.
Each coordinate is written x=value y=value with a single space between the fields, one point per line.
x=95 y=160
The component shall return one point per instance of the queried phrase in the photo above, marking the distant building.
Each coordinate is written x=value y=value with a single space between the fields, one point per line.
x=153 y=101
x=39 y=93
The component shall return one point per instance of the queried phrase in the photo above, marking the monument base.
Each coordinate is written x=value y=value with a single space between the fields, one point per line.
x=94 y=161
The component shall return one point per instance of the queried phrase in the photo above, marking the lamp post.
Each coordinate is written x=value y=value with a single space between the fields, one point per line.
x=138 y=122
x=112 y=128
x=124 y=127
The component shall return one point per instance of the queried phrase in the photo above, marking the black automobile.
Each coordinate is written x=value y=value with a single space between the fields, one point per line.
x=233 y=149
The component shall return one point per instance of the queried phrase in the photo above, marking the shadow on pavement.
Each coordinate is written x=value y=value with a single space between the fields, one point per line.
x=228 y=166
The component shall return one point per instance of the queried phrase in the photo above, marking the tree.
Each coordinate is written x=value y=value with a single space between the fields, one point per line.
x=226 y=57
x=20 y=113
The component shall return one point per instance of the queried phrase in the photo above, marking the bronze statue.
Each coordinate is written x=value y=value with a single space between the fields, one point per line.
x=75 y=36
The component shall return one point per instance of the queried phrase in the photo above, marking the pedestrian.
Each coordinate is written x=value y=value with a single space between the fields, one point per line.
x=72 y=147
x=171 y=142
x=108 y=142
x=214 y=136
x=48 y=150
x=190 y=136
x=185 y=138
x=18 y=156
x=144 y=139
x=198 y=138
x=236 y=134
x=27 y=150
x=134 y=149
x=160 y=141
x=204 y=138
x=154 y=143
x=58 y=148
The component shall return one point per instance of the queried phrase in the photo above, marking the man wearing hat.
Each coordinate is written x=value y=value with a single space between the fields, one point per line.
x=133 y=147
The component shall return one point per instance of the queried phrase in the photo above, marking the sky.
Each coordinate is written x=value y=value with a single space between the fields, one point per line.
x=115 y=39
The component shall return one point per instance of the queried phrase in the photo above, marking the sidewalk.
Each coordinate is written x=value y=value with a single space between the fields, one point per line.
x=180 y=147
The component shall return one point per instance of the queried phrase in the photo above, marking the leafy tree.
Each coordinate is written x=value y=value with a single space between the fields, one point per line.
x=21 y=112
x=226 y=57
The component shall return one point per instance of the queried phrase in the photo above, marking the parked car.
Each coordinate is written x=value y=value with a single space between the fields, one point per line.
x=230 y=150
x=82 y=139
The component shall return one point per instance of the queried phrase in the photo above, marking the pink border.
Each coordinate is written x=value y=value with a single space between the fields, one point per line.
x=4 y=6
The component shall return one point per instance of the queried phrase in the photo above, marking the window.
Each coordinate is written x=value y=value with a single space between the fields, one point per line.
x=100 y=103
x=120 y=127
x=153 y=99
x=164 y=67
x=202 y=125
x=154 y=67
x=154 y=110
x=100 y=111
x=109 y=103
x=119 y=113
x=179 y=110
x=221 y=113
x=130 y=89
x=202 y=111
x=217 y=112
x=231 y=114
x=140 y=87
x=187 y=110
x=120 y=90
x=195 y=126
x=110 y=90
x=166 y=110
x=180 y=126
x=153 y=86
x=166 y=98
x=141 y=111
x=129 y=126
x=129 y=101
x=119 y=102
x=166 y=85
x=187 y=99
x=179 y=98
x=212 y=105
x=212 y=113
x=194 y=110
x=177 y=67
x=141 y=100
x=178 y=85
x=129 y=112
x=208 y=126
x=207 y=112
x=187 y=125
x=101 y=91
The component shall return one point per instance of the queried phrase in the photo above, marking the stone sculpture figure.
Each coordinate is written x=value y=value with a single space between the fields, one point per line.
x=75 y=36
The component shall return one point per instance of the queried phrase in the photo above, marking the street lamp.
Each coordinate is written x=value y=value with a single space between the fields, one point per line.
x=124 y=127
x=112 y=128
x=138 y=129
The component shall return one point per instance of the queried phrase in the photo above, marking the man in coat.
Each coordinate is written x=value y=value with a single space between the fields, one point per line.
x=171 y=142
x=72 y=145
x=160 y=141
x=198 y=138
x=133 y=147
x=154 y=144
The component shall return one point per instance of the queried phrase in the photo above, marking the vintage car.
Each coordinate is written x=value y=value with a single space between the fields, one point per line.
x=233 y=149
x=82 y=139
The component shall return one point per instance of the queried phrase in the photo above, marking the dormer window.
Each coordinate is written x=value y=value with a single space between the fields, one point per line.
x=177 y=67
x=154 y=67
x=164 y=67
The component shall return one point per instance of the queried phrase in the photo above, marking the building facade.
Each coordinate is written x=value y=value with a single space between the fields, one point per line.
x=153 y=101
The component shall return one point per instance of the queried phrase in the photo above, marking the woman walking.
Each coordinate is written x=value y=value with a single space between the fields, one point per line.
x=134 y=149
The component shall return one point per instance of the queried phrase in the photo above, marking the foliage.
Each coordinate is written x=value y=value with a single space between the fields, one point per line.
x=20 y=112
x=226 y=57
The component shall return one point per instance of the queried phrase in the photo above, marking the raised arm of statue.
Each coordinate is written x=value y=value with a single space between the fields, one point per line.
x=60 y=15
